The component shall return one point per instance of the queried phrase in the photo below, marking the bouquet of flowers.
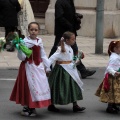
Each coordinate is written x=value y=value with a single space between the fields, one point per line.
x=19 y=43
x=77 y=58
x=2 y=43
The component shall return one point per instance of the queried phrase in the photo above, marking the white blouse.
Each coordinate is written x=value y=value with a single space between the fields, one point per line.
x=30 y=43
x=62 y=56
x=114 y=64
x=67 y=56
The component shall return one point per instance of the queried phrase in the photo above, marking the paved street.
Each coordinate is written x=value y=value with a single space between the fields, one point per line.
x=95 y=110
x=9 y=64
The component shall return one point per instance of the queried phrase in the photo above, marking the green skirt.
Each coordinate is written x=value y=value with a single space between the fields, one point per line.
x=64 y=89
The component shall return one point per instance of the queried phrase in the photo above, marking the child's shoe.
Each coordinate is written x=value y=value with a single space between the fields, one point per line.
x=52 y=108
x=111 y=110
x=116 y=107
x=76 y=108
x=28 y=112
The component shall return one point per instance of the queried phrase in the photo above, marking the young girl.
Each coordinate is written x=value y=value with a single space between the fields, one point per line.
x=109 y=90
x=31 y=89
x=65 y=83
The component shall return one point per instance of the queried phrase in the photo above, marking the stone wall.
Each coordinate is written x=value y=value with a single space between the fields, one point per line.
x=88 y=9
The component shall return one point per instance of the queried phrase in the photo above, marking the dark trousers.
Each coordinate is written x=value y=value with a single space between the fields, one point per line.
x=8 y=30
x=56 y=43
x=80 y=67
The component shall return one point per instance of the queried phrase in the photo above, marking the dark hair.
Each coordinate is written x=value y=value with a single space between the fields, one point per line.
x=112 y=45
x=67 y=35
x=33 y=23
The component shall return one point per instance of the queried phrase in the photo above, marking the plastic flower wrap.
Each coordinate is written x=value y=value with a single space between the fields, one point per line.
x=74 y=61
x=2 y=43
x=19 y=44
x=118 y=70
x=77 y=58
x=80 y=55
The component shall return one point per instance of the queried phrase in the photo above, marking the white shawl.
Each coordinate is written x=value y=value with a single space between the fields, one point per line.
x=67 y=56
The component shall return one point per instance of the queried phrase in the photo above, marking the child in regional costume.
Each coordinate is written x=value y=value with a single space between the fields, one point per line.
x=109 y=89
x=64 y=81
x=31 y=89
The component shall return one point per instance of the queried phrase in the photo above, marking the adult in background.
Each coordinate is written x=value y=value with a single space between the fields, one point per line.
x=66 y=19
x=8 y=18
x=25 y=16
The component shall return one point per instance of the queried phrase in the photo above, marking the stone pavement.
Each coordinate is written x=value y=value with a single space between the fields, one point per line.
x=9 y=60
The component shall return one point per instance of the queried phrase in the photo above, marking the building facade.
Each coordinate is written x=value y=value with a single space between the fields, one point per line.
x=44 y=14
x=39 y=7
x=88 y=9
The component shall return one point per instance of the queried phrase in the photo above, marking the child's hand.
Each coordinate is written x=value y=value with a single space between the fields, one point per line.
x=82 y=55
x=47 y=73
x=77 y=62
x=62 y=38
x=117 y=73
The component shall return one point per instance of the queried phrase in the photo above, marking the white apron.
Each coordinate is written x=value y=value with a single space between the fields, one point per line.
x=37 y=82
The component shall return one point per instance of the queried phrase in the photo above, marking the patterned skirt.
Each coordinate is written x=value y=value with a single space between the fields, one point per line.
x=113 y=94
x=64 y=89
x=21 y=93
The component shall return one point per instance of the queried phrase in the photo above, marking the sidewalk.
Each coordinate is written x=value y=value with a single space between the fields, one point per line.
x=9 y=60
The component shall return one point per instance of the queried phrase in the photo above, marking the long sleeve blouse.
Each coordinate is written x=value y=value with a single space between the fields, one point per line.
x=38 y=42
x=114 y=64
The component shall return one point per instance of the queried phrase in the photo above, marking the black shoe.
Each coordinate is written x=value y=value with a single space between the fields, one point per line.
x=28 y=112
x=11 y=49
x=4 y=47
x=87 y=73
x=77 y=108
x=111 y=110
x=53 y=108
x=116 y=107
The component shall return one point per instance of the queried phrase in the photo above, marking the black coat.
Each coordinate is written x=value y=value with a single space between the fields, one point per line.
x=65 y=17
x=8 y=13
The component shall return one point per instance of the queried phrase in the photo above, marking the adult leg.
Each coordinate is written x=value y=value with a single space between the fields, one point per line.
x=9 y=29
x=82 y=69
x=8 y=46
x=84 y=72
x=56 y=43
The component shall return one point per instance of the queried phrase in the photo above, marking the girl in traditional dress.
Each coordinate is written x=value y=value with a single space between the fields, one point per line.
x=31 y=89
x=65 y=83
x=109 y=89
x=25 y=16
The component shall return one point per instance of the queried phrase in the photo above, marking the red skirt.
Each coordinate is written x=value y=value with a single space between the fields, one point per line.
x=21 y=93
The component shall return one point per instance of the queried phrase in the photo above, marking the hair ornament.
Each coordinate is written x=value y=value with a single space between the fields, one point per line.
x=62 y=38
